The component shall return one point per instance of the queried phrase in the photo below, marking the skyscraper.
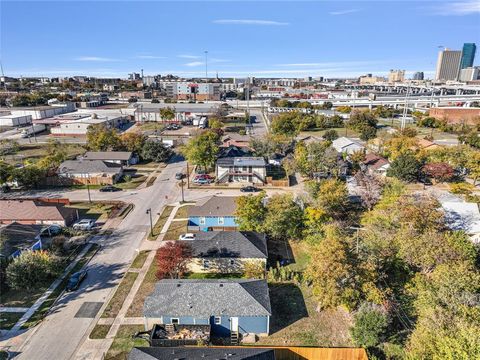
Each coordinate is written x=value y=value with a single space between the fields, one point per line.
x=448 y=65
x=418 y=75
x=468 y=55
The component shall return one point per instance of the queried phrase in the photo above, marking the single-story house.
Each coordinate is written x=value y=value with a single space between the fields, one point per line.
x=347 y=146
x=241 y=169
x=233 y=139
x=95 y=172
x=216 y=213
x=376 y=164
x=36 y=212
x=199 y=353
x=227 y=251
x=229 y=306
x=15 y=238
x=124 y=158
x=463 y=216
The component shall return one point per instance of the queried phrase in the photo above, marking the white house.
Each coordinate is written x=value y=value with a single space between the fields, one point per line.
x=241 y=169
x=346 y=145
x=463 y=216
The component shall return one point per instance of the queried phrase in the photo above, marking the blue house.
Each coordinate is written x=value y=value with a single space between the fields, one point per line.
x=230 y=307
x=217 y=213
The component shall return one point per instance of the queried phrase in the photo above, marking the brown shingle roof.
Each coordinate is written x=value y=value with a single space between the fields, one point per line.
x=215 y=206
x=374 y=161
x=31 y=210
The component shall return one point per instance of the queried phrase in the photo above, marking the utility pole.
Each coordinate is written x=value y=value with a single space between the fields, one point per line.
x=181 y=184
x=206 y=75
x=188 y=177
x=405 y=109
x=88 y=190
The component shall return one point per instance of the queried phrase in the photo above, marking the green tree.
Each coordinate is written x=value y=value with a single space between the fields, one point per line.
x=6 y=171
x=251 y=212
x=133 y=141
x=332 y=197
x=315 y=157
x=284 y=218
x=330 y=135
x=285 y=124
x=365 y=123
x=28 y=176
x=405 y=167
x=101 y=138
x=370 y=324
x=167 y=113
x=155 y=151
x=31 y=269
x=202 y=149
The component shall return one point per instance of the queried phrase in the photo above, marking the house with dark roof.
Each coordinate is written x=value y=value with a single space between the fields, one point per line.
x=124 y=158
x=241 y=169
x=36 y=212
x=227 y=251
x=375 y=164
x=201 y=353
x=15 y=238
x=95 y=172
x=231 y=307
x=216 y=213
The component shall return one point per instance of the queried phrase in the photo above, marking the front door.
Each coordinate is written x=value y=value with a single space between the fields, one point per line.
x=234 y=324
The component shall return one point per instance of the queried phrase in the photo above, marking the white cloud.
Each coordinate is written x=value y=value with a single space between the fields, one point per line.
x=343 y=12
x=194 y=63
x=468 y=7
x=189 y=56
x=249 y=22
x=94 y=59
x=149 y=57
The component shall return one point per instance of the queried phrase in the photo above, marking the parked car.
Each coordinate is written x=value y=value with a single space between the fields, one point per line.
x=179 y=176
x=249 y=189
x=188 y=236
x=202 y=177
x=109 y=188
x=75 y=280
x=51 y=230
x=84 y=224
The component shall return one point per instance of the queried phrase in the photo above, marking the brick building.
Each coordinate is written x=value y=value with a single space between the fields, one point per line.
x=457 y=115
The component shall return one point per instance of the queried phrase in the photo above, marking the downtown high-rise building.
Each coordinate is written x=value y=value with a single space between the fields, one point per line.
x=448 y=65
x=418 y=75
x=468 y=55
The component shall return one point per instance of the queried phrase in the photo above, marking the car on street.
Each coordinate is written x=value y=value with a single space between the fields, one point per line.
x=84 y=224
x=187 y=236
x=109 y=188
x=75 y=280
x=179 y=176
x=249 y=189
x=202 y=181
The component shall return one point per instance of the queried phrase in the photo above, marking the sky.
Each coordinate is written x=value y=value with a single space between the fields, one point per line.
x=243 y=38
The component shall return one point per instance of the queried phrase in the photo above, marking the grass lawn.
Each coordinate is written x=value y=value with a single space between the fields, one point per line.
x=99 y=331
x=176 y=229
x=147 y=286
x=295 y=321
x=8 y=319
x=116 y=302
x=133 y=183
x=22 y=297
x=340 y=131
x=182 y=212
x=160 y=222
x=42 y=310
x=148 y=126
x=94 y=210
x=35 y=152
x=213 y=276
x=301 y=255
x=139 y=260
x=123 y=342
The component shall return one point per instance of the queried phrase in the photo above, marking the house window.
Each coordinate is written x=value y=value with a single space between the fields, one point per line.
x=206 y=264
x=174 y=321
x=202 y=221
x=232 y=262
x=218 y=320
x=221 y=220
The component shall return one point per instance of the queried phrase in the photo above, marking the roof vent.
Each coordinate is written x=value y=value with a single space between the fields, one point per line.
x=221 y=285
x=178 y=285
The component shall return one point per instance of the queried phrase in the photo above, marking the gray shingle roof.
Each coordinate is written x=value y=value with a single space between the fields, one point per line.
x=242 y=161
x=88 y=167
x=230 y=244
x=107 y=155
x=205 y=298
x=215 y=206
x=201 y=353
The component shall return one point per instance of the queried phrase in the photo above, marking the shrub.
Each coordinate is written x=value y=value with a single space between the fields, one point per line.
x=369 y=327
x=31 y=268
x=330 y=135
x=254 y=270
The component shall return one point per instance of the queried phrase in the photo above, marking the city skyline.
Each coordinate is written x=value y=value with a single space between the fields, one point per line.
x=265 y=39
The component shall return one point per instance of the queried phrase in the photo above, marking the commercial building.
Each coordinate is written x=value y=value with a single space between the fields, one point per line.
x=468 y=55
x=448 y=65
x=469 y=74
x=396 y=76
x=368 y=79
x=193 y=91
x=456 y=115
x=418 y=75
x=15 y=120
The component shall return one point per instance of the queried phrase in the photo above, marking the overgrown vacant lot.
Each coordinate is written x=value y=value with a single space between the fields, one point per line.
x=295 y=321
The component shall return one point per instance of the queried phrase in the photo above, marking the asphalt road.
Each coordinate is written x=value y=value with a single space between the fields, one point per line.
x=58 y=336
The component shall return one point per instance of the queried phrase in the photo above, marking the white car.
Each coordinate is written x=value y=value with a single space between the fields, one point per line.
x=84 y=224
x=188 y=236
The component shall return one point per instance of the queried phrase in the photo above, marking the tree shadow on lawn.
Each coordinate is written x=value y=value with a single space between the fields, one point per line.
x=288 y=305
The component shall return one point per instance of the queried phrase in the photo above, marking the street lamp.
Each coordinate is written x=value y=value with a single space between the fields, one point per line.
x=149 y=212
